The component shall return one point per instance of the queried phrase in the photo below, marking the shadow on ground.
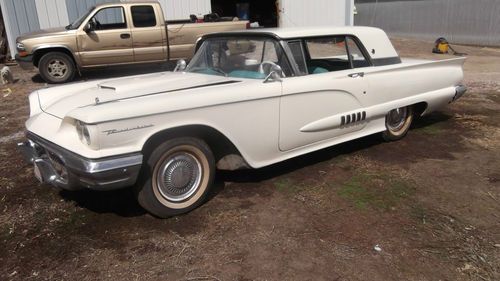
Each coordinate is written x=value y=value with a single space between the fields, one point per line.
x=123 y=202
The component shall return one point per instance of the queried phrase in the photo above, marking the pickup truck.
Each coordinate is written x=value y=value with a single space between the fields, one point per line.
x=250 y=98
x=113 y=34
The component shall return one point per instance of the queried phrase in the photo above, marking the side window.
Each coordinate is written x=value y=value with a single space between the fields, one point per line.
x=298 y=55
x=358 y=59
x=109 y=18
x=252 y=58
x=143 y=16
x=327 y=54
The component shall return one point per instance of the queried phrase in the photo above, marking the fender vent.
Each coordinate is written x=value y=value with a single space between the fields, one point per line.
x=352 y=118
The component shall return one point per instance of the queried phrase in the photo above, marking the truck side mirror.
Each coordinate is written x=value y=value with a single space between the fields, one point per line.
x=89 y=27
x=181 y=65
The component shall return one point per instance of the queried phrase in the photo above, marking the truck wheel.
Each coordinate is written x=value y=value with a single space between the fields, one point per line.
x=176 y=177
x=56 y=67
x=397 y=123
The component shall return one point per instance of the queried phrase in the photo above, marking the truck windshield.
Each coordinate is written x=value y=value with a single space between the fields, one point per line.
x=250 y=58
x=79 y=20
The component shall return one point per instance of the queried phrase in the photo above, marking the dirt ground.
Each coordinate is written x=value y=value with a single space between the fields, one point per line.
x=423 y=208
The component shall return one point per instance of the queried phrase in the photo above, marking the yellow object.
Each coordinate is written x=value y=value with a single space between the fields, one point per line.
x=441 y=46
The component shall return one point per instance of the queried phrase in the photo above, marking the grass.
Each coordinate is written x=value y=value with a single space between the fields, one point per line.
x=378 y=191
x=434 y=129
x=287 y=185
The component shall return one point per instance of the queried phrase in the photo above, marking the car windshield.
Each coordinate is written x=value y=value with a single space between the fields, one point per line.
x=79 y=20
x=251 y=58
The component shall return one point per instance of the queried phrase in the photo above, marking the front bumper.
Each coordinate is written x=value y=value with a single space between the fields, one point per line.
x=26 y=62
x=65 y=169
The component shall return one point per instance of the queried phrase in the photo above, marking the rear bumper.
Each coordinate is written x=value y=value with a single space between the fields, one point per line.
x=26 y=62
x=65 y=169
x=459 y=92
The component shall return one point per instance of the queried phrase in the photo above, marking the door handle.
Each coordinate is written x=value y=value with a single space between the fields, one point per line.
x=124 y=36
x=356 y=75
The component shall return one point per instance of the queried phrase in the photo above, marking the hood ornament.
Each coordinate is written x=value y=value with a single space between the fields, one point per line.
x=96 y=100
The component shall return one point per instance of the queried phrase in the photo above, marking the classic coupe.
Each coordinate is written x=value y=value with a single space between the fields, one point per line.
x=247 y=99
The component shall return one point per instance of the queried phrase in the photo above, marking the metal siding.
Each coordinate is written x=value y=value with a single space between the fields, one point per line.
x=460 y=21
x=294 y=13
x=52 y=13
x=20 y=17
x=76 y=8
x=181 y=9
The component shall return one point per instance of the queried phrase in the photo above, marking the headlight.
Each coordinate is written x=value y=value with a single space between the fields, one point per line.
x=83 y=132
x=20 y=47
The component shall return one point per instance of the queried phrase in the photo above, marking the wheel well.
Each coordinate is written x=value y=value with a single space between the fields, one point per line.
x=419 y=108
x=218 y=143
x=40 y=53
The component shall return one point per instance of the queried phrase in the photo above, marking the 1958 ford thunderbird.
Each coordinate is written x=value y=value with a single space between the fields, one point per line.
x=247 y=99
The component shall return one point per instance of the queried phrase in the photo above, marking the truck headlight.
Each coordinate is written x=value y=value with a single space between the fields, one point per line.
x=83 y=132
x=20 y=46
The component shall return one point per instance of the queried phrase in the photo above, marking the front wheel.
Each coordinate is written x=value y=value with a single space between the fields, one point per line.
x=57 y=67
x=177 y=177
x=397 y=123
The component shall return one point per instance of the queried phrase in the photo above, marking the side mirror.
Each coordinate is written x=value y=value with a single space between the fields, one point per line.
x=275 y=74
x=181 y=65
x=89 y=27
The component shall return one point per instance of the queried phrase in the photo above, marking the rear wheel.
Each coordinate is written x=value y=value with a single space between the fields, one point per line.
x=397 y=123
x=56 y=67
x=177 y=177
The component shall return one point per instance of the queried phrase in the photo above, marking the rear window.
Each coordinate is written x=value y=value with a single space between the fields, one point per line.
x=143 y=16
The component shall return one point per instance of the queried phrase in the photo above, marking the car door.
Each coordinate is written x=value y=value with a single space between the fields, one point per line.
x=108 y=41
x=326 y=102
x=148 y=33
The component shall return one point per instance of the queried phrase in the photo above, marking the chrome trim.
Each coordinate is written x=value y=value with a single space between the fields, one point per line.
x=460 y=91
x=112 y=164
x=100 y=174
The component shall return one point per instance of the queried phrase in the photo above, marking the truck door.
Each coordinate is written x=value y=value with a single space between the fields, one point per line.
x=108 y=41
x=148 y=33
x=328 y=101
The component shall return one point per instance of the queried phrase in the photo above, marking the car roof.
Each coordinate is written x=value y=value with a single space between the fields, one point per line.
x=374 y=39
x=299 y=32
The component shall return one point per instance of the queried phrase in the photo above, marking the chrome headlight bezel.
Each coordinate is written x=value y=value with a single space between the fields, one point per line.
x=83 y=132
x=20 y=46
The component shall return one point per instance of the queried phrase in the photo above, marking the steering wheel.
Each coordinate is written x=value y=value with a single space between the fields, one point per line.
x=269 y=65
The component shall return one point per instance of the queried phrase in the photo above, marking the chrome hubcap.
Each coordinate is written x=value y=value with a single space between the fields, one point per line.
x=396 y=118
x=57 y=68
x=179 y=177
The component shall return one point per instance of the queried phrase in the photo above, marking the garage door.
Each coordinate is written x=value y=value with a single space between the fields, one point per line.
x=296 y=13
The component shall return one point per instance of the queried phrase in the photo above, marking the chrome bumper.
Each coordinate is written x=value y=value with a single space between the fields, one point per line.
x=459 y=92
x=25 y=63
x=65 y=169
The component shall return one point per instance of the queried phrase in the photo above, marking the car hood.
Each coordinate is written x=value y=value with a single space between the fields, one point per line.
x=58 y=101
x=44 y=33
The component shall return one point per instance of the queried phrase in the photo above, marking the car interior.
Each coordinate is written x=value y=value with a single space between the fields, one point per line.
x=322 y=55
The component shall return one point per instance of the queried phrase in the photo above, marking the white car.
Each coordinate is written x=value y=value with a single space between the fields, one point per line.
x=247 y=99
